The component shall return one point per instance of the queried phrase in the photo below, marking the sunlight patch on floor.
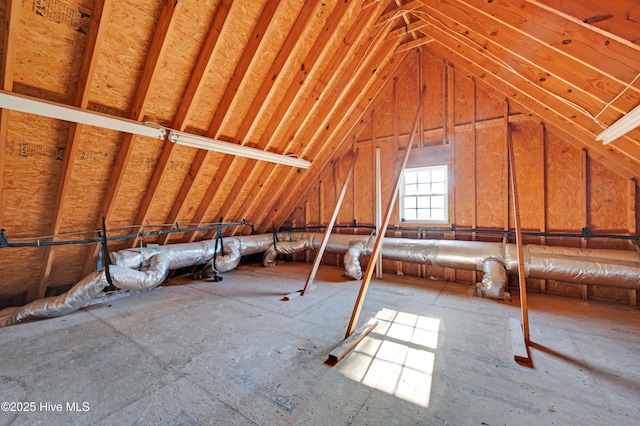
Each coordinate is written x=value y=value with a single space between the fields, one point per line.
x=396 y=357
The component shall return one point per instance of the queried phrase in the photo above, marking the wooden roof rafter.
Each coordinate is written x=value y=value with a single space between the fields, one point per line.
x=352 y=103
x=519 y=94
x=95 y=38
x=255 y=40
x=281 y=110
x=353 y=46
x=350 y=77
x=579 y=94
x=603 y=53
x=525 y=71
x=192 y=90
x=151 y=67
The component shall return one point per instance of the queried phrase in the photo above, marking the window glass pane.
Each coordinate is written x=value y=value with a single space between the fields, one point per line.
x=437 y=175
x=423 y=188
x=437 y=201
x=424 y=194
x=437 y=188
x=423 y=177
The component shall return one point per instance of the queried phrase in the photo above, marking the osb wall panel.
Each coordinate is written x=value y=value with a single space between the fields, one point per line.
x=144 y=157
x=33 y=160
x=67 y=265
x=192 y=23
x=383 y=122
x=97 y=149
x=433 y=71
x=121 y=31
x=224 y=189
x=463 y=92
x=174 y=175
x=233 y=37
x=488 y=106
x=491 y=193
x=564 y=188
x=608 y=199
x=528 y=146
x=51 y=44
x=345 y=213
x=364 y=191
x=406 y=89
x=276 y=34
x=192 y=201
x=464 y=180
x=235 y=214
x=286 y=77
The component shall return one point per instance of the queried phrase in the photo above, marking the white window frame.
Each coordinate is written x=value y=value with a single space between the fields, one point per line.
x=428 y=194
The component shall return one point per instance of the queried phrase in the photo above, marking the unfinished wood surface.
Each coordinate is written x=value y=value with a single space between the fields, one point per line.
x=381 y=64
x=86 y=76
x=515 y=201
x=352 y=340
x=518 y=343
x=377 y=246
x=307 y=83
x=329 y=229
x=11 y=19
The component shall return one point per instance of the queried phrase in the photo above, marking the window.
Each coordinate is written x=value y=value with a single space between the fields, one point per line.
x=424 y=195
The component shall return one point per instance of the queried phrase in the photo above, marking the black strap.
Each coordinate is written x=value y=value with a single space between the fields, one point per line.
x=105 y=253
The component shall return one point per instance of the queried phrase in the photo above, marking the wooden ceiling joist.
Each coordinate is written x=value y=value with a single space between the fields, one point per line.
x=149 y=72
x=95 y=38
x=218 y=117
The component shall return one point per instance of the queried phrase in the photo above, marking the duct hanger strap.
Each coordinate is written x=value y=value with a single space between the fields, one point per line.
x=105 y=253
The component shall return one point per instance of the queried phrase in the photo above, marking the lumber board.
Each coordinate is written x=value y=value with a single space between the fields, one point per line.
x=350 y=342
x=518 y=344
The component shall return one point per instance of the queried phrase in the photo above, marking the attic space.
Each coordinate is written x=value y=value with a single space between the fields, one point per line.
x=319 y=212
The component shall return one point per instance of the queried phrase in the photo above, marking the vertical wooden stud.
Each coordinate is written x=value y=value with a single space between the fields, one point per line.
x=631 y=220
x=584 y=290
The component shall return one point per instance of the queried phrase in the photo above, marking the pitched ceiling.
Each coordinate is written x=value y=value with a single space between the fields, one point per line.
x=291 y=77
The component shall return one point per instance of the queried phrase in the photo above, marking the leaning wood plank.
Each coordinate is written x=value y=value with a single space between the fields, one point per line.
x=327 y=233
x=378 y=244
x=518 y=345
x=351 y=341
x=516 y=216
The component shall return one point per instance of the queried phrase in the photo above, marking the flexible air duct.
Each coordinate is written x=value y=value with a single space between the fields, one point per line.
x=140 y=269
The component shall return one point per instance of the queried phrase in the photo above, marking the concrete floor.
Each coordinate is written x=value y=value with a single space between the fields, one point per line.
x=233 y=353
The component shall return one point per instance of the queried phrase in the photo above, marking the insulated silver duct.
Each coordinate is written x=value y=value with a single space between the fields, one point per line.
x=50 y=307
x=141 y=269
x=608 y=268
